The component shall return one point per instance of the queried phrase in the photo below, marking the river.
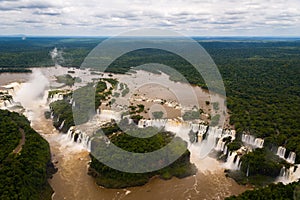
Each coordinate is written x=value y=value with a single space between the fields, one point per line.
x=72 y=181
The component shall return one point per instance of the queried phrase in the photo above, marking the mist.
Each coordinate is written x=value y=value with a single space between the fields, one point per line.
x=57 y=56
x=33 y=90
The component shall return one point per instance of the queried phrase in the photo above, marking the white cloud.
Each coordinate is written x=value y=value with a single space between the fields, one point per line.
x=110 y=17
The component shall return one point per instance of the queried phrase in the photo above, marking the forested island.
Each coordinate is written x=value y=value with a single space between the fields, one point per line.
x=25 y=160
x=112 y=178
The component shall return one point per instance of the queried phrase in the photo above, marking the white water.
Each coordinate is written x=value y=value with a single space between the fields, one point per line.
x=220 y=145
x=79 y=137
x=62 y=125
x=233 y=161
x=281 y=151
x=289 y=175
x=251 y=140
x=32 y=91
x=107 y=115
x=291 y=158
x=56 y=97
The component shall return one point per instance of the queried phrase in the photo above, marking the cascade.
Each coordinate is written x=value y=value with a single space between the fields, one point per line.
x=195 y=128
x=251 y=140
x=233 y=161
x=55 y=97
x=291 y=158
x=220 y=145
x=289 y=175
x=106 y=115
x=62 y=125
x=247 y=173
x=79 y=137
x=259 y=143
x=239 y=166
x=225 y=150
x=281 y=152
x=282 y=172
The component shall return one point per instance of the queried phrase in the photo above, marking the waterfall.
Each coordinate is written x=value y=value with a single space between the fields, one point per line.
x=259 y=143
x=225 y=150
x=289 y=175
x=292 y=157
x=55 y=97
x=158 y=123
x=77 y=136
x=233 y=161
x=220 y=145
x=281 y=152
x=282 y=172
x=195 y=128
x=237 y=162
x=207 y=137
x=251 y=140
x=106 y=115
x=62 y=125
x=239 y=166
x=6 y=104
x=247 y=173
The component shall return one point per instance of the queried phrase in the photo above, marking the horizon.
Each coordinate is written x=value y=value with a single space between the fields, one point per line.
x=191 y=18
x=191 y=36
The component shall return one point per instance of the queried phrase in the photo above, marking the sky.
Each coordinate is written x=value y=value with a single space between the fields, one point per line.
x=188 y=17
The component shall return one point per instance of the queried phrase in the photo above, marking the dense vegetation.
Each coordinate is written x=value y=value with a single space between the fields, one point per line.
x=35 y=52
x=112 y=178
x=67 y=79
x=62 y=112
x=15 y=70
x=261 y=162
x=271 y=192
x=191 y=115
x=23 y=175
x=84 y=107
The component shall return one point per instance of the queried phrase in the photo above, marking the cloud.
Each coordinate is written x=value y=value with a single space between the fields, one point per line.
x=47 y=12
x=108 y=17
x=19 y=5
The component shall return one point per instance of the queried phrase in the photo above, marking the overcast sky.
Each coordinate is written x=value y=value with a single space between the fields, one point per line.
x=189 y=17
